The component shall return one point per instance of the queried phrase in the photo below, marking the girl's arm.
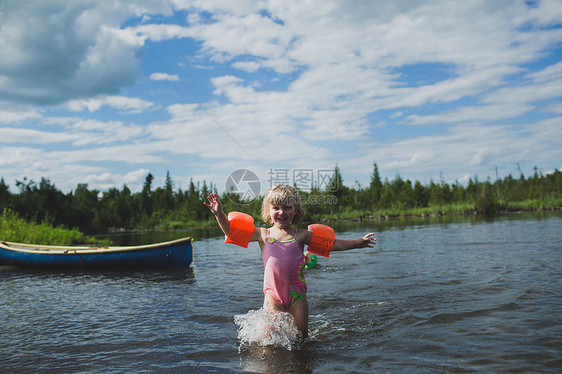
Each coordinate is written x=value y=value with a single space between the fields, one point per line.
x=215 y=207
x=341 y=244
x=344 y=245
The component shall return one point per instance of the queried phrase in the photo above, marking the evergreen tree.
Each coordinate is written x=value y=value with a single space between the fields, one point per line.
x=84 y=207
x=146 y=195
x=336 y=186
x=420 y=195
x=375 y=186
x=5 y=196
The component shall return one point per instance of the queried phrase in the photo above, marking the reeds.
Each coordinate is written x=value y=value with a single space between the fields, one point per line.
x=15 y=229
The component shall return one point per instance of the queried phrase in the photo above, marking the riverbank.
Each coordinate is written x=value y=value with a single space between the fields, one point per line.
x=440 y=211
x=13 y=228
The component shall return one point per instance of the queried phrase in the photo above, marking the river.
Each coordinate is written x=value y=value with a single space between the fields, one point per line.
x=436 y=295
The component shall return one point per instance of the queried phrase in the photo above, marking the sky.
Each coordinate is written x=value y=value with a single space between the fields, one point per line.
x=105 y=92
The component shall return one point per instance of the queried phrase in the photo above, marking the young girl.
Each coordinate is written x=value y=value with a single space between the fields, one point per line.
x=282 y=249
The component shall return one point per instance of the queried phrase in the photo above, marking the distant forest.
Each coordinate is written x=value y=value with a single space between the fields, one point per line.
x=93 y=211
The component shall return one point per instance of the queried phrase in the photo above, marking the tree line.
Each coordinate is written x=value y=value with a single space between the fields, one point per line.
x=94 y=211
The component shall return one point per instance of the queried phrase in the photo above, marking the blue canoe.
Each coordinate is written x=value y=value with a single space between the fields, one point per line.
x=173 y=254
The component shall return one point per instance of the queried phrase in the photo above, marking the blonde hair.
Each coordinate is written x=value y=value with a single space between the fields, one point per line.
x=282 y=194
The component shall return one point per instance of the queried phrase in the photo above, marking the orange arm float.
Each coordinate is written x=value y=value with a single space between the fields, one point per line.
x=241 y=229
x=323 y=238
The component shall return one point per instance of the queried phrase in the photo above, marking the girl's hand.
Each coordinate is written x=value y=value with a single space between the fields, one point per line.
x=367 y=241
x=214 y=203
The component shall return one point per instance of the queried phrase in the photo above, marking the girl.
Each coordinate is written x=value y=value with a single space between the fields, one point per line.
x=282 y=249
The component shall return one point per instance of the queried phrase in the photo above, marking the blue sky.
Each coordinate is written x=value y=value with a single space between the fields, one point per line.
x=105 y=92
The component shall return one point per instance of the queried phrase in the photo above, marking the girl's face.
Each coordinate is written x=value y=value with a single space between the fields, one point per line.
x=282 y=215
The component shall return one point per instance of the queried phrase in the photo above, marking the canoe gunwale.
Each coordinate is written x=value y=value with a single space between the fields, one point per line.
x=52 y=249
x=172 y=254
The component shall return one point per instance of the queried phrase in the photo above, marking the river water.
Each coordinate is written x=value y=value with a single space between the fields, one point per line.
x=439 y=295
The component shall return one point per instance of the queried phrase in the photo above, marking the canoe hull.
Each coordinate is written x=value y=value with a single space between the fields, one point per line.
x=173 y=254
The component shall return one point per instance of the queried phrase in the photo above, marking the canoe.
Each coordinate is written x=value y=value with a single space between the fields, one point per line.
x=172 y=254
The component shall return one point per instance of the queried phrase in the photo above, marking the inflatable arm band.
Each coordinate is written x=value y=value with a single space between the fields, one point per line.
x=241 y=229
x=311 y=261
x=323 y=238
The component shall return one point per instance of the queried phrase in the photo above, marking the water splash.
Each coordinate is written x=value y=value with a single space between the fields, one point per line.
x=267 y=328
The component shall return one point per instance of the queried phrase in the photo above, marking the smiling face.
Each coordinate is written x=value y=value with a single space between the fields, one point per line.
x=281 y=206
x=282 y=215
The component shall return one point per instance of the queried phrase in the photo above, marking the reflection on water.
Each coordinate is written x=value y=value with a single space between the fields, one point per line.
x=147 y=237
x=275 y=360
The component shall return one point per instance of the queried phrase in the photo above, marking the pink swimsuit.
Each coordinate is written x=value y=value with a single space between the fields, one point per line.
x=284 y=263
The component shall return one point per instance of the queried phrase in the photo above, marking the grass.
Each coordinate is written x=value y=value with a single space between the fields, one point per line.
x=178 y=224
x=533 y=204
x=15 y=229
x=441 y=210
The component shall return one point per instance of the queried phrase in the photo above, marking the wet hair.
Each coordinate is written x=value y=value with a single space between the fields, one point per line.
x=282 y=194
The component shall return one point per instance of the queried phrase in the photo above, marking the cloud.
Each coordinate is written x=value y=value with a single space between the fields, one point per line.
x=106 y=180
x=69 y=167
x=247 y=66
x=15 y=135
x=164 y=77
x=504 y=102
x=463 y=151
x=15 y=116
x=56 y=50
x=124 y=104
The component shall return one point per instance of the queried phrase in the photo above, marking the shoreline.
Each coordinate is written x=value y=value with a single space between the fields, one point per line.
x=379 y=217
x=439 y=213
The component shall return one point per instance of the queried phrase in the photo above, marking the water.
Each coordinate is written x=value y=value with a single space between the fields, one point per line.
x=451 y=295
x=267 y=328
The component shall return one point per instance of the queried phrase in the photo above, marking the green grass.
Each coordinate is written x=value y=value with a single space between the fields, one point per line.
x=533 y=204
x=442 y=210
x=447 y=210
x=15 y=229
x=180 y=223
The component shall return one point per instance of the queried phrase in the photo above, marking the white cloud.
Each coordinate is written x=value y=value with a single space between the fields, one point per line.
x=164 y=77
x=248 y=66
x=56 y=50
x=125 y=104
x=504 y=102
x=106 y=180
x=16 y=135
x=550 y=73
x=15 y=116
x=468 y=148
x=555 y=107
x=492 y=112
